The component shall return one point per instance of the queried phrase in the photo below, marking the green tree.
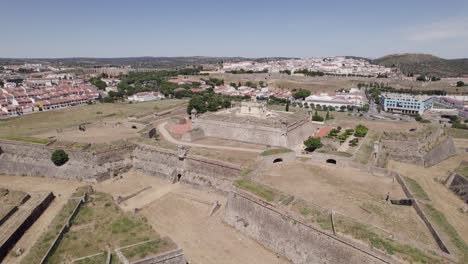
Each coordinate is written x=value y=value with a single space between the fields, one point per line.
x=287 y=106
x=98 y=83
x=460 y=84
x=327 y=117
x=312 y=143
x=59 y=157
x=360 y=131
x=301 y=94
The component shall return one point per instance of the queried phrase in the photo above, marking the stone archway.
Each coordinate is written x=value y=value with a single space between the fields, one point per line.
x=331 y=161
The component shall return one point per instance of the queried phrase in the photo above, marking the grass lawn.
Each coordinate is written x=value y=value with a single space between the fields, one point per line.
x=29 y=125
x=457 y=133
x=42 y=245
x=147 y=249
x=364 y=152
x=98 y=223
x=256 y=188
x=416 y=189
x=462 y=170
x=439 y=219
x=275 y=151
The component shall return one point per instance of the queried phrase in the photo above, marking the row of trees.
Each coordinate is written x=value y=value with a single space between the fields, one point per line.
x=209 y=101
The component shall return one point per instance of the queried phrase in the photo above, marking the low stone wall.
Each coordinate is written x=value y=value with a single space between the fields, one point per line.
x=459 y=185
x=171 y=257
x=62 y=231
x=30 y=219
x=297 y=241
x=421 y=213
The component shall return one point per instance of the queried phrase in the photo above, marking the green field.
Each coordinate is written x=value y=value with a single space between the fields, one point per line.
x=24 y=128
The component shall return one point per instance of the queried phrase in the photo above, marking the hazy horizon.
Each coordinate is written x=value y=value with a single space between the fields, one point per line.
x=117 y=29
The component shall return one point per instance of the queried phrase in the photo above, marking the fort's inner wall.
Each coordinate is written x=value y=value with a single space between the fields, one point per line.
x=290 y=238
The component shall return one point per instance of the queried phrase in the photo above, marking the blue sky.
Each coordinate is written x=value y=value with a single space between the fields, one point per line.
x=250 y=28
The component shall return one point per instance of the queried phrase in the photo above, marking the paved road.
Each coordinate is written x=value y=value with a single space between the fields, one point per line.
x=167 y=136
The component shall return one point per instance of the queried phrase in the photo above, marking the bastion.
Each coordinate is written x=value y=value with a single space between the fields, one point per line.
x=253 y=122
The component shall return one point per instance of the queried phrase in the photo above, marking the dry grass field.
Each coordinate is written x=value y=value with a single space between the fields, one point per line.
x=444 y=206
x=32 y=126
x=183 y=214
x=350 y=192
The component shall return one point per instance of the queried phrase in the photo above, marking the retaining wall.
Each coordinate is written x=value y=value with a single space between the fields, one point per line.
x=171 y=257
x=29 y=220
x=297 y=241
x=21 y=158
x=242 y=132
x=459 y=185
x=421 y=213
x=194 y=170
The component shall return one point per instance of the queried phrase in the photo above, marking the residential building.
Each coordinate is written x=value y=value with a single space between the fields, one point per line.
x=146 y=96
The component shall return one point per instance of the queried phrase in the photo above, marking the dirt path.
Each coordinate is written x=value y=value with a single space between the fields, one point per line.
x=62 y=190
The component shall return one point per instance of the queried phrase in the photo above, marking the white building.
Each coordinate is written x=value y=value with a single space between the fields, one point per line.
x=146 y=96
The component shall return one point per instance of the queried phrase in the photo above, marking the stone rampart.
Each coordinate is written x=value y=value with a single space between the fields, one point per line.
x=31 y=159
x=191 y=169
x=425 y=148
x=242 y=132
x=459 y=185
x=297 y=241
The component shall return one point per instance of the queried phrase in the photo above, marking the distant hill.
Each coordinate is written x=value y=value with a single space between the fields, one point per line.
x=425 y=64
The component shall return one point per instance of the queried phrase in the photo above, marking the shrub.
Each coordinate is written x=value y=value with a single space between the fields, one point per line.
x=59 y=157
x=312 y=143
x=360 y=131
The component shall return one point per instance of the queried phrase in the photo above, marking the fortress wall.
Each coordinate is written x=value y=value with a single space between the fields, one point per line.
x=291 y=238
x=427 y=148
x=300 y=132
x=399 y=150
x=193 y=170
x=155 y=161
x=440 y=152
x=19 y=158
x=242 y=132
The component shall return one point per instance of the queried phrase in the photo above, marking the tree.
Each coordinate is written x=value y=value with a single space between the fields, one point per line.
x=342 y=107
x=317 y=117
x=301 y=94
x=98 y=83
x=312 y=143
x=360 y=131
x=327 y=117
x=59 y=157
x=287 y=106
x=460 y=84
